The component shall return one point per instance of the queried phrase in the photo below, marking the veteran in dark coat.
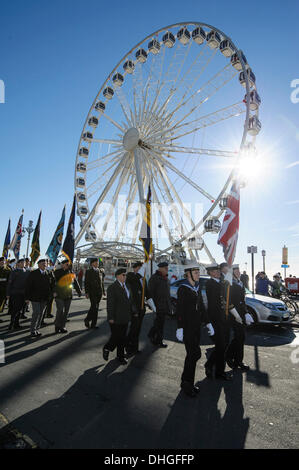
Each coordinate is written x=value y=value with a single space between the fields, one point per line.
x=191 y=313
x=65 y=279
x=119 y=313
x=235 y=352
x=38 y=291
x=159 y=291
x=16 y=292
x=93 y=290
x=4 y=275
x=216 y=315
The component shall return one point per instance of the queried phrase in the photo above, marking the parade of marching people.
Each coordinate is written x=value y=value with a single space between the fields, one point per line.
x=32 y=285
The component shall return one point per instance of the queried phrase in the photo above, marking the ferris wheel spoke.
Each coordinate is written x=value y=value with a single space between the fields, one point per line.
x=203 y=65
x=212 y=118
x=127 y=111
x=170 y=74
x=122 y=129
x=196 y=151
x=130 y=199
x=172 y=188
x=162 y=216
x=179 y=173
x=179 y=220
x=100 y=159
x=101 y=197
x=108 y=141
x=211 y=257
x=167 y=197
x=121 y=183
x=208 y=89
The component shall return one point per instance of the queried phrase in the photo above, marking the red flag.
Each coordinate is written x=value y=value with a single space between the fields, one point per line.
x=228 y=236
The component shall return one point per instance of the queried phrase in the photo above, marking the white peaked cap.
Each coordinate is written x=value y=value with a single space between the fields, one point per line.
x=191 y=265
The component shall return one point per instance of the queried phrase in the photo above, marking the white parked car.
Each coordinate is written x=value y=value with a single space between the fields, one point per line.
x=262 y=308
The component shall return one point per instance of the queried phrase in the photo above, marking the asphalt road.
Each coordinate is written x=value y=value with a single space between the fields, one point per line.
x=58 y=392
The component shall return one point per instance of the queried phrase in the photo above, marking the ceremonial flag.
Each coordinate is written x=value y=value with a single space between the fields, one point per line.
x=6 y=242
x=228 y=236
x=145 y=234
x=35 y=253
x=15 y=245
x=55 y=245
x=69 y=242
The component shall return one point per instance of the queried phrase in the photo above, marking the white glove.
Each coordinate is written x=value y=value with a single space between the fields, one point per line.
x=151 y=304
x=234 y=312
x=248 y=319
x=179 y=334
x=210 y=328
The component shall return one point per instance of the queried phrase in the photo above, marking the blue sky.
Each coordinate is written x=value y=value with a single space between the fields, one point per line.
x=54 y=57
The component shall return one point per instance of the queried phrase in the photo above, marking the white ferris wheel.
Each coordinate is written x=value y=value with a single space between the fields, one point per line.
x=178 y=112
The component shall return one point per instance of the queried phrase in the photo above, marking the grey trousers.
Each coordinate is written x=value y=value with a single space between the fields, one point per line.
x=62 y=309
x=37 y=315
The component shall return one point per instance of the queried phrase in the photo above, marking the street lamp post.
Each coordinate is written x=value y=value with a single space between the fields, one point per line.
x=29 y=230
x=264 y=255
x=252 y=250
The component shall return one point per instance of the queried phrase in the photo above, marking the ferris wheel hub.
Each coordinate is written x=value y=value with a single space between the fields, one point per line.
x=131 y=139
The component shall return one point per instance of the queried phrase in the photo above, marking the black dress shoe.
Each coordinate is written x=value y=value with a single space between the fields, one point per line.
x=123 y=361
x=86 y=323
x=223 y=376
x=231 y=363
x=209 y=372
x=95 y=327
x=243 y=367
x=162 y=345
x=49 y=315
x=106 y=354
x=34 y=335
x=63 y=330
x=196 y=388
x=23 y=317
x=57 y=330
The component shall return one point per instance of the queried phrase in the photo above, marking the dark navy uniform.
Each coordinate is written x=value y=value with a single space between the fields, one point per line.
x=135 y=283
x=235 y=352
x=191 y=313
x=217 y=317
x=159 y=291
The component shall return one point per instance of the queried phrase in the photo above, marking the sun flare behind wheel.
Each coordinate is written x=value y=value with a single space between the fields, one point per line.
x=172 y=114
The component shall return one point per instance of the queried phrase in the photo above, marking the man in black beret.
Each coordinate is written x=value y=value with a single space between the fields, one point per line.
x=93 y=292
x=119 y=312
x=159 y=291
